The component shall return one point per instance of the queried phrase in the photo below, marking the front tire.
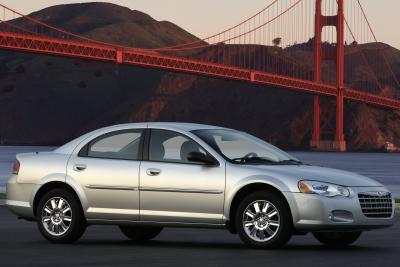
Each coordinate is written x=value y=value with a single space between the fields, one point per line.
x=263 y=220
x=140 y=234
x=59 y=217
x=337 y=239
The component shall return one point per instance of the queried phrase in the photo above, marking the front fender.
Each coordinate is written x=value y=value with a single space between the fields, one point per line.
x=234 y=188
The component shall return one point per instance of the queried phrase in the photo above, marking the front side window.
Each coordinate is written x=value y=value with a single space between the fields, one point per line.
x=168 y=146
x=119 y=145
x=240 y=147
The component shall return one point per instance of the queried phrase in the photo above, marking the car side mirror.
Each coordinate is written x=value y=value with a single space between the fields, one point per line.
x=199 y=157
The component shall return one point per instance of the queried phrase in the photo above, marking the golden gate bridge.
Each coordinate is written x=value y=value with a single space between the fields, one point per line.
x=330 y=40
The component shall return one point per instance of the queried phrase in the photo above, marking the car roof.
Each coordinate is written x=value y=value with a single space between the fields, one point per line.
x=182 y=126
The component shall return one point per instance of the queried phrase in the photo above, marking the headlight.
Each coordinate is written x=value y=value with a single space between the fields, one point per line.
x=323 y=189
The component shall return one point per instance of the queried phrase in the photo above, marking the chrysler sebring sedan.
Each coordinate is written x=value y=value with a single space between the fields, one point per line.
x=147 y=176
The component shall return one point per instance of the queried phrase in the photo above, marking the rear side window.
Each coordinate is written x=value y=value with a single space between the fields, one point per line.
x=118 y=145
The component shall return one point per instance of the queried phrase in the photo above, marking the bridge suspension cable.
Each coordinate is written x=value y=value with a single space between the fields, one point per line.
x=220 y=33
x=396 y=80
x=228 y=39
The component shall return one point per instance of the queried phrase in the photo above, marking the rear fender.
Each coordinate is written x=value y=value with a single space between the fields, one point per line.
x=54 y=177
x=79 y=191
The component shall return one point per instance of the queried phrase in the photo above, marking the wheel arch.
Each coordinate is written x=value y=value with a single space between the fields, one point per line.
x=245 y=191
x=50 y=186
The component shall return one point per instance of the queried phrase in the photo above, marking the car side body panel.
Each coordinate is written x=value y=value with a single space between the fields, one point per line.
x=184 y=193
x=110 y=187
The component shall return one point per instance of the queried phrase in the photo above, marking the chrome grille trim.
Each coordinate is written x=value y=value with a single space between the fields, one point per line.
x=376 y=204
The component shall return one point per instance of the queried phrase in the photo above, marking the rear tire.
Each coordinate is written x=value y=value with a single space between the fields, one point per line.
x=337 y=239
x=59 y=217
x=263 y=220
x=140 y=234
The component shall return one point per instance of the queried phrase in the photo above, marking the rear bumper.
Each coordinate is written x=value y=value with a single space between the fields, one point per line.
x=312 y=212
x=19 y=198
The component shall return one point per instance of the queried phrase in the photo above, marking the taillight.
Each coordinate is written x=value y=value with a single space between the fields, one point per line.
x=16 y=166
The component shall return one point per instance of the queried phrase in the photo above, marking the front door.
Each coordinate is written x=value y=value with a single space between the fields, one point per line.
x=173 y=189
x=107 y=168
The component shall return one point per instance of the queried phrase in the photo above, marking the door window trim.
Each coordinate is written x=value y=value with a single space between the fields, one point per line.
x=146 y=149
x=84 y=151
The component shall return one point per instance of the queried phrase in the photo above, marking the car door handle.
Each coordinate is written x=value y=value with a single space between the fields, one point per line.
x=153 y=172
x=79 y=167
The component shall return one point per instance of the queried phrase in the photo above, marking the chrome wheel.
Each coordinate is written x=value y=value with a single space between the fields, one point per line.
x=56 y=216
x=261 y=220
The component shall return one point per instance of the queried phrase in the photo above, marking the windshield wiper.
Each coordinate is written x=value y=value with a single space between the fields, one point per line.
x=254 y=159
x=291 y=161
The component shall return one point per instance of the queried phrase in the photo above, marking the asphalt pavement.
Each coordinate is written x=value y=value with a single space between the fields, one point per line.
x=22 y=245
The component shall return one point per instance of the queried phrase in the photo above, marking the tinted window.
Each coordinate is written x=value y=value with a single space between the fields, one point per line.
x=170 y=146
x=120 y=145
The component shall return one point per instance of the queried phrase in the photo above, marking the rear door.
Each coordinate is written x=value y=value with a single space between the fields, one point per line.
x=107 y=168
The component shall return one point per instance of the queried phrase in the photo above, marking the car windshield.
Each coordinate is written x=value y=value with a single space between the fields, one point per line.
x=242 y=148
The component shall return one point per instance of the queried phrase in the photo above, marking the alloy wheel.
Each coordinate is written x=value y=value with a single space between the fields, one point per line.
x=261 y=220
x=56 y=216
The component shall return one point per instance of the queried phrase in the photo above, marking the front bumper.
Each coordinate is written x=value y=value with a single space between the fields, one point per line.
x=313 y=212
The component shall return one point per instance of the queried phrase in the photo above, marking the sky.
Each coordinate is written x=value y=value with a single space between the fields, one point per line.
x=206 y=17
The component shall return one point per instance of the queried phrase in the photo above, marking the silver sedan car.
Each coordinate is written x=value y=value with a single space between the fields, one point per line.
x=146 y=176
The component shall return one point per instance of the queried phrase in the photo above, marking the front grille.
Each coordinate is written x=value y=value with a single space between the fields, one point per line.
x=376 y=204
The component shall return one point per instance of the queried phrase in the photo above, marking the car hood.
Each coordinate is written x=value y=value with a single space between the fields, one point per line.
x=307 y=172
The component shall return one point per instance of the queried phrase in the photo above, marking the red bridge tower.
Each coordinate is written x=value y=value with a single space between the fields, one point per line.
x=339 y=144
